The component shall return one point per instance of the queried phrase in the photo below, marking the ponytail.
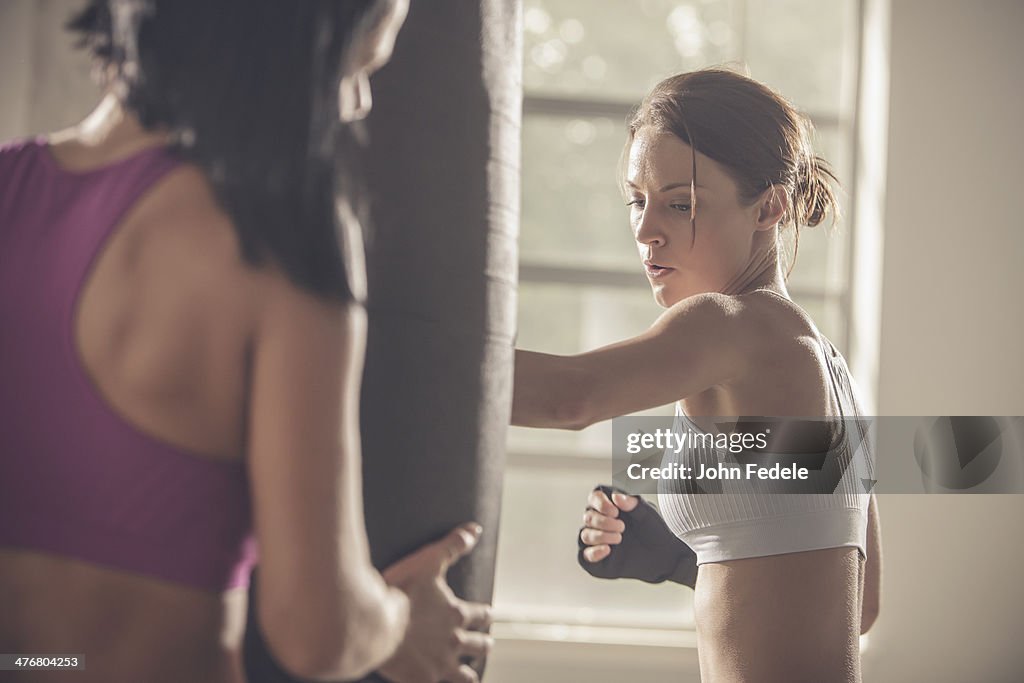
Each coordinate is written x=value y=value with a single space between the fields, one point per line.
x=814 y=196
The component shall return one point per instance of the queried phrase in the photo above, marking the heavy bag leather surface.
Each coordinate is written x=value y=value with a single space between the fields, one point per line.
x=443 y=174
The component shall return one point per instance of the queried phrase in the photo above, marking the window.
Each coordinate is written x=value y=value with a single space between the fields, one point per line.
x=586 y=65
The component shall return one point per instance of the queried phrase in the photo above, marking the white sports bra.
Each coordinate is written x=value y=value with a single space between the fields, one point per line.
x=746 y=519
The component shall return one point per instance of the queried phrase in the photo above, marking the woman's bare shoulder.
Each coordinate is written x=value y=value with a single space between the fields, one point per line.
x=786 y=373
x=756 y=322
x=773 y=311
x=187 y=241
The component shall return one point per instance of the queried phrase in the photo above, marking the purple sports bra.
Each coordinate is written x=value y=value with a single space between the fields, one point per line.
x=76 y=478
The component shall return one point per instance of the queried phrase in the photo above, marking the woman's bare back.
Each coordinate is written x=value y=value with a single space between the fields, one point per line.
x=162 y=328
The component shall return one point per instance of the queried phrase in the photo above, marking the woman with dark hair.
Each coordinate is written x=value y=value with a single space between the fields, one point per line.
x=181 y=298
x=716 y=166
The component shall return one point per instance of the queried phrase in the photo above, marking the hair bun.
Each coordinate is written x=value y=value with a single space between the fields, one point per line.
x=814 y=196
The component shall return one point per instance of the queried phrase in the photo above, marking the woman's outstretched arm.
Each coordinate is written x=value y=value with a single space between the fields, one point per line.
x=693 y=346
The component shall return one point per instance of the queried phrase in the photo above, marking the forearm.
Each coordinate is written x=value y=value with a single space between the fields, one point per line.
x=376 y=615
x=375 y=631
x=336 y=620
x=549 y=391
x=375 y=621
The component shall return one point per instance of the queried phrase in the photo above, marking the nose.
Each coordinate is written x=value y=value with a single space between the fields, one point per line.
x=648 y=230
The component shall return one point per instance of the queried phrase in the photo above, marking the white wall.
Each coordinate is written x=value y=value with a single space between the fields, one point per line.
x=15 y=56
x=952 y=318
x=951 y=328
x=44 y=81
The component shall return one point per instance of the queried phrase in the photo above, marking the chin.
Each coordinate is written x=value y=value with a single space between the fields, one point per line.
x=663 y=299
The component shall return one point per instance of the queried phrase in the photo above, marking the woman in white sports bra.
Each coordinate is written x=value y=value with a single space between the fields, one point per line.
x=781 y=593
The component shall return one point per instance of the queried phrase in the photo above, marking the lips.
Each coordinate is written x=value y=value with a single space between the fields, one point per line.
x=655 y=270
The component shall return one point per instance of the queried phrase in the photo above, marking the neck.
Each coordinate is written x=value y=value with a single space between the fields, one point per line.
x=111 y=131
x=763 y=271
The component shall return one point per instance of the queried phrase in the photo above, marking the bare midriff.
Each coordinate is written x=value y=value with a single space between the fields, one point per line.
x=786 y=618
x=125 y=627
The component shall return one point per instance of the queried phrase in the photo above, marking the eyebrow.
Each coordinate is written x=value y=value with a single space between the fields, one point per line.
x=670 y=186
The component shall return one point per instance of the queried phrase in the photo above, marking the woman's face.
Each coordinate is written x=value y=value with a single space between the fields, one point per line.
x=370 y=51
x=729 y=236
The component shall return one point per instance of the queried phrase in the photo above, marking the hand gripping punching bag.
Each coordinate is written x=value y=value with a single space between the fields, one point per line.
x=442 y=170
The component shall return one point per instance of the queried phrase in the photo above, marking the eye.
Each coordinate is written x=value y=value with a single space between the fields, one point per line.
x=638 y=203
x=681 y=207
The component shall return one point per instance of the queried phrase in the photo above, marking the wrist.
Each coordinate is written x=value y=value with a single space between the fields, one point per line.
x=397 y=613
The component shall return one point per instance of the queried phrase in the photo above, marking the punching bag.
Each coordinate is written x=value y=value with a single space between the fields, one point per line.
x=442 y=172
x=443 y=175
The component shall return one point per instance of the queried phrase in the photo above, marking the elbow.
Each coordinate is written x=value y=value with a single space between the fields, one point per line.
x=347 y=646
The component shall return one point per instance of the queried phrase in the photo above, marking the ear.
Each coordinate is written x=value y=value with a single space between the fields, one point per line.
x=771 y=206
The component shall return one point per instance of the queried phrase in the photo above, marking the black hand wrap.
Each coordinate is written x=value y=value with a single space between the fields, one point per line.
x=649 y=551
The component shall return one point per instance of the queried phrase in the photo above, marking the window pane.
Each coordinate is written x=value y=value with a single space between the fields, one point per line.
x=821 y=257
x=573 y=213
x=568 y=319
x=827 y=316
x=618 y=50
x=799 y=46
x=538 y=577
